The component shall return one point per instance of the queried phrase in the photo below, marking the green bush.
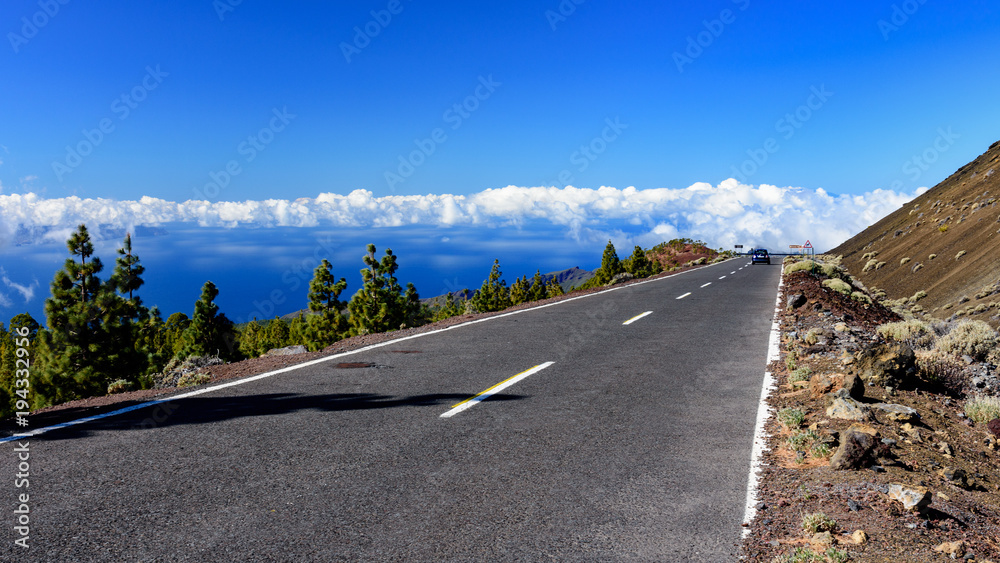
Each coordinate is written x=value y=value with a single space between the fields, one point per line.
x=792 y=418
x=838 y=285
x=801 y=374
x=860 y=296
x=973 y=338
x=818 y=522
x=119 y=386
x=808 y=266
x=194 y=378
x=983 y=409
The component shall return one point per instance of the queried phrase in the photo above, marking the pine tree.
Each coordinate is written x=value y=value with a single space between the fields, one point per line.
x=610 y=265
x=538 y=289
x=174 y=329
x=326 y=325
x=520 y=291
x=73 y=355
x=553 y=289
x=639 y=265
x=277 y=334
x=124 y=317
x=493 y=295
x=210 y=332
x=250 y=336
x=380 y=305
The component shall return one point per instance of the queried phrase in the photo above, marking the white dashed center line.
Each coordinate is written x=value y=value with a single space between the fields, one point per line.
x=707 y=284
x=683 y=296
x=722 y=278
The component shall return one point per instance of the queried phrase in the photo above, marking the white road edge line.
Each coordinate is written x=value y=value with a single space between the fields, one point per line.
x=637 y=317
x=236 y=382
x=763 y=413
x=478 y=397
x=683 y=296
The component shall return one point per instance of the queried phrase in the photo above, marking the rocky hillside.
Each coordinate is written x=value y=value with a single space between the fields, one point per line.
x=945 y=244
x=883 y=445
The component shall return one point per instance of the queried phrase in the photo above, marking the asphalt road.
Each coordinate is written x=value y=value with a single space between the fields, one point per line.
x=633 y=444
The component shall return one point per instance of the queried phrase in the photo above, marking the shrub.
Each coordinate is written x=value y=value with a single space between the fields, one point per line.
x=821 y=450
x=818 y=522
x=860 y=296
x=194 y=378
x=119 y=386
x=960 y=254
x=973 y=338
x=803 y=439
x=812 y=337
x=870 y=265
x=943 y=228
x=904 y=261
x=913 y=332
x=791 y=360
x=983 y=409
x=838 y=285
x=792 y=418
x=801 y=374
x=808 y=266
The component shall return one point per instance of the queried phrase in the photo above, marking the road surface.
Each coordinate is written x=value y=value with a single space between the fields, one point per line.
x=625 y=442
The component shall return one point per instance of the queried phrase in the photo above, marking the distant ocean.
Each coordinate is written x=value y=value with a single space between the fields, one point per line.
x=265 y=272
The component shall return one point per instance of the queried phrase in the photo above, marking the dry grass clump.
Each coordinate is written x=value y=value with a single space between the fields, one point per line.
x=960 y=254
x=932 y=256
x=904 y=261
x=918 y=296
x=982 y=409
x=972 y=338
x=917 y=334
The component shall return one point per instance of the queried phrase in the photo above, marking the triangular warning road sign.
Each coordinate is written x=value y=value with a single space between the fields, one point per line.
x=807 y=245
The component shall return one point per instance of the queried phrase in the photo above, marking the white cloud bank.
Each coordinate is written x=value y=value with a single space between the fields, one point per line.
x=724 y=215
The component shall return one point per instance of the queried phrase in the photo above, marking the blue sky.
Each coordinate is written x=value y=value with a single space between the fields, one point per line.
x=232 y=101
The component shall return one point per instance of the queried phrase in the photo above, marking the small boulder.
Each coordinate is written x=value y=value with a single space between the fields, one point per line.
x=847 y=408
x=287 y=351
x=859 y=537
x=854 y=451
x=912 y=497
x=994 y=427
x=820 y=385
x=795 y=301
x=855 y=386
x=954 y=476
x=841 y=327
x=821 y=541
x=886 y=364
x=897 y=413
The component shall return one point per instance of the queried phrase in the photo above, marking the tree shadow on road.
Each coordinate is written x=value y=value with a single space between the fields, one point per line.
x=206 y=410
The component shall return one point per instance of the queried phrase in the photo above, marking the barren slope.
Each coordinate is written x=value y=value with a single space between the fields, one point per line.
x=945 y=242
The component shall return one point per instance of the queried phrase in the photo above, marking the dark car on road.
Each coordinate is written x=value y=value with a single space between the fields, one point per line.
x=760 y=256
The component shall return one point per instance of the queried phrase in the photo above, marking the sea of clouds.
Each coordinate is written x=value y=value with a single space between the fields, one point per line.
x=723 y=215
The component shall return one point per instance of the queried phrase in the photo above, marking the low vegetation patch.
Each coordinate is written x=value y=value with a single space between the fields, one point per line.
x=983 y=409
x=973 y=338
